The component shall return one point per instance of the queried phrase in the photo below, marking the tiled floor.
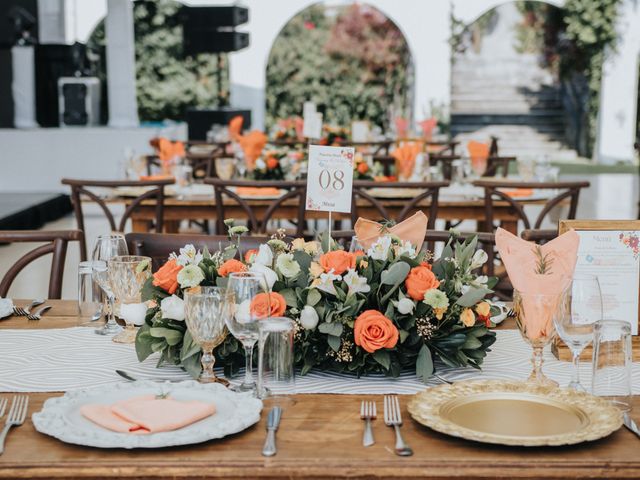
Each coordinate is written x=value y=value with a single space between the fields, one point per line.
x=611 y=196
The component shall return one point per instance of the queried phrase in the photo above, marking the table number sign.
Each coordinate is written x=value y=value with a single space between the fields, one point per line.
x=330 y=179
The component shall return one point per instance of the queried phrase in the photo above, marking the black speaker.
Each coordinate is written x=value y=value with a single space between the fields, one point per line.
x=212 y=41
x=199 y=121
x=199 y=18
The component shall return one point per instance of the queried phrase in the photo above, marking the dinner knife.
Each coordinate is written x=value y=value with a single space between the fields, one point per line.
x=630 y=424
x=273 y=420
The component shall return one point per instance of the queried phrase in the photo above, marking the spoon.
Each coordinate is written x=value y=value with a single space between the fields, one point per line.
x=131 y=378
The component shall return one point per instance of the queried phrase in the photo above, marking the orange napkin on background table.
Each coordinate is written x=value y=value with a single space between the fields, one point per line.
x=412 y=230
x=155 y=177
x=427 y=127
x=235 y=127
x=147 y=414
x=167 y=151
x=405 y=156
x=519 y=192
x=479 y=154
x=252 y=145
x=257 y=191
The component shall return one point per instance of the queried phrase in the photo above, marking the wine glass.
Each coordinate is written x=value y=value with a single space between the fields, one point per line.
x=534 y=317
x=579 y=308
x=355 y=245
x=251 y=304
x=100 y=272
x=205 y=311
x=127 y=275
x=104 y=249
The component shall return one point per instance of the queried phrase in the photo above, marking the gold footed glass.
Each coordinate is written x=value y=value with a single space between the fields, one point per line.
x=534 y=317
x=128 y=335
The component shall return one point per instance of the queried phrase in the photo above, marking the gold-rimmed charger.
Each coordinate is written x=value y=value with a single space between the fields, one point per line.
x=515 y=413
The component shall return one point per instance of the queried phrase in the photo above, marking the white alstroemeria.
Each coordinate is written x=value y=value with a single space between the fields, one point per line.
x=480 y=281
x=407 y=249
x=269 y=274
x=188 y=256
x=380 y=249
x=260 y=165
x=325 y=282
x=190 y=276
x=479 y=259
x=172 y=307
x=404 y=306
x=287 y=265
x=264 y=256
x=309 y=318
x=465 y=288
x=355 y=282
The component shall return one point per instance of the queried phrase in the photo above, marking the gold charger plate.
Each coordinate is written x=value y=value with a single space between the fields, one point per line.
x=515 y=413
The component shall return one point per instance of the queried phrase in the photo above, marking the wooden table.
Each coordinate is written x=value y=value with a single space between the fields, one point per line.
x=319 y=438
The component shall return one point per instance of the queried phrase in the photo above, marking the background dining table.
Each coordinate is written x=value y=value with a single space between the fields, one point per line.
x=319 y=437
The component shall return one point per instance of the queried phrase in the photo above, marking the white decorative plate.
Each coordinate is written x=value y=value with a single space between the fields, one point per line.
x=60 y=417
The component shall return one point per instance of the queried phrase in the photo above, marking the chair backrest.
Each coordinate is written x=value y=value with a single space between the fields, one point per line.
x=362 y=198
x=159 y=246
x=445 y=160
x=539 y=236
x=56 y=244
x=258 y=212
x=564 y=191
x=498 y=166
x=83 y=188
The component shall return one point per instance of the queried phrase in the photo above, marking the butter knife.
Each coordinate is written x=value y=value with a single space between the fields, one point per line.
x=630 y=424
x=273 y=420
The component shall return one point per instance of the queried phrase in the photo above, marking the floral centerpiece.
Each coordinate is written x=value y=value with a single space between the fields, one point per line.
x=332 y=135
x=269 y=166
x=381 y=310
x=288 y=129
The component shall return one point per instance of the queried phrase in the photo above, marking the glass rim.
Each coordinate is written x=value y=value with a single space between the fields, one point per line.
x=246 y=274
x=612 y=323
x=127 y=259
x=111 y=235
x=208 y=291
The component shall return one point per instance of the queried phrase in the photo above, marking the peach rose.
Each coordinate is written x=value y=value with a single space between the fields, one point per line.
x=419 y=280
x=483 y=308
x=339 y=261
x=231 y=266
x=266 y=305
x=272 y=163
x=363 y=168
x=467 y=317
x=373 y=331
x=167 y=276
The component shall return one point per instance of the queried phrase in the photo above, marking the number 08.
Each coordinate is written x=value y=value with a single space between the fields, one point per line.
x=326 y=179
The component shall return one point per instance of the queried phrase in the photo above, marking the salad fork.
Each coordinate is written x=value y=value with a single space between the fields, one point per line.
x=25 y=311
x=15 y=417
x=38 y=314
x=3 y=406
x=393 y=418
x=368 y=413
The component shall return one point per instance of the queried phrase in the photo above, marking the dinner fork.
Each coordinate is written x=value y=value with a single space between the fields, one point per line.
x=39 y=313
x=368 y=413
x=15 y=418
x=24 y=311
x=393 y=418
x=3 y=406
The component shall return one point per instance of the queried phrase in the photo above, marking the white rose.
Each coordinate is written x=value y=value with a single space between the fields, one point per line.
x=309 y=318
x=172 y=307
x=264 y=256
x=133 y=313
x=287 y=265
x=260 y=165
x=405 y=306
x=269 y=274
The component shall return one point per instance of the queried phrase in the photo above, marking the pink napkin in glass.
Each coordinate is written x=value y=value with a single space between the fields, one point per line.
x=521 y=259
x=147 y=414
x=411 y=230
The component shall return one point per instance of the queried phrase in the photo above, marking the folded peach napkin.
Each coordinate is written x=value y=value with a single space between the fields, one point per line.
x=235 y=127
x=299 y=122
x=538 y=270
x=519 y=192
x=479 y=154
x=257 y=191
x=155 y=177
x=252 y=145
x=405 y=156
x=147 y=414
x=167 y=151
x=412 y=230
x=427 y=127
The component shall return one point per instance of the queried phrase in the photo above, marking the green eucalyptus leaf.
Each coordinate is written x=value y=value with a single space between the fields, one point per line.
x=334 y=342
x=424 y=364
x=172 y=337
x=334 y=329
x=383 y=358
x=313 y=297
x=473 y=296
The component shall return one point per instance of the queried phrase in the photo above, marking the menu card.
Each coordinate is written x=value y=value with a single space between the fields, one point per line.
x=330 y=178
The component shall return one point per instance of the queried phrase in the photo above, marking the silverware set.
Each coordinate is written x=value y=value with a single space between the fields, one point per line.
x=26 y=310
x=15 y=417
x=392 y=418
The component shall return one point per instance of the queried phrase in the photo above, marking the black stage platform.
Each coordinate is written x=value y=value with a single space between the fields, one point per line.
x=30 y=211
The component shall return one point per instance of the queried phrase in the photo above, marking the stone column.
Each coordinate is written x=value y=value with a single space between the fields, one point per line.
x=121 y=64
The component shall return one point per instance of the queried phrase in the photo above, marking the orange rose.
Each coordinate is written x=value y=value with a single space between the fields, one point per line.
x=339 y=261
x=231 y=266
x=167 y=276
x=248 y=256
x=266 y=305
x=419 y=280
x=373 y=331
x=272 y=163
x=363 y=167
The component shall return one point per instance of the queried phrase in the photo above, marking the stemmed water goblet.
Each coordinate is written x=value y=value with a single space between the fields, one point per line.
x=251 y=304
x=205 y=311
x=100 y=273
x=105 y=248
x=580 y=307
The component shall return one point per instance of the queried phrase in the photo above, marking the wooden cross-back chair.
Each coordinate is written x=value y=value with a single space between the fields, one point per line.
x=159 y=246
x=428 y=190
x=56 y=243
x=539 y=235
x=82 y=188
x=259 y=211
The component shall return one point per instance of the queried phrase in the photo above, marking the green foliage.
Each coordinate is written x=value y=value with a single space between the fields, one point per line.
x=355 y=65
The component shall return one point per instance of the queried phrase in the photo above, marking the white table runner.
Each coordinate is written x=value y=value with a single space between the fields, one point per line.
x=73 y=358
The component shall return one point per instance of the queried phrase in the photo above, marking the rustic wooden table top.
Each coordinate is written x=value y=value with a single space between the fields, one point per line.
x=319 y=437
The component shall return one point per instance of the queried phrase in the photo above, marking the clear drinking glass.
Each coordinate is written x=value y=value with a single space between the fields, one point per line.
x=276 y=379
x=534 y=317
x=206 y=309
x=579 y=308
x=100 y=272
x=105 y=248
x=612 y=362
x=127 y=275
x=250 y=295
x=89 y=295
x=355 y=245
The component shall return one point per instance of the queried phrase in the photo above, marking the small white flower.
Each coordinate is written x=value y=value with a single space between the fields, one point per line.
x=479 y=259
x=380 y=249
x=264 y=256
x=355 y=282
x=309 y=318
x=481 y=281
x=190 y=276
x=405 y=306
x=172 y=307
x=287 y=266
x=407 y=249
x=325 y=282
x=269 y=274
x=260 y=165
x=133 y=313
x=242 y=312
x=238 y=230
x=189 y=256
